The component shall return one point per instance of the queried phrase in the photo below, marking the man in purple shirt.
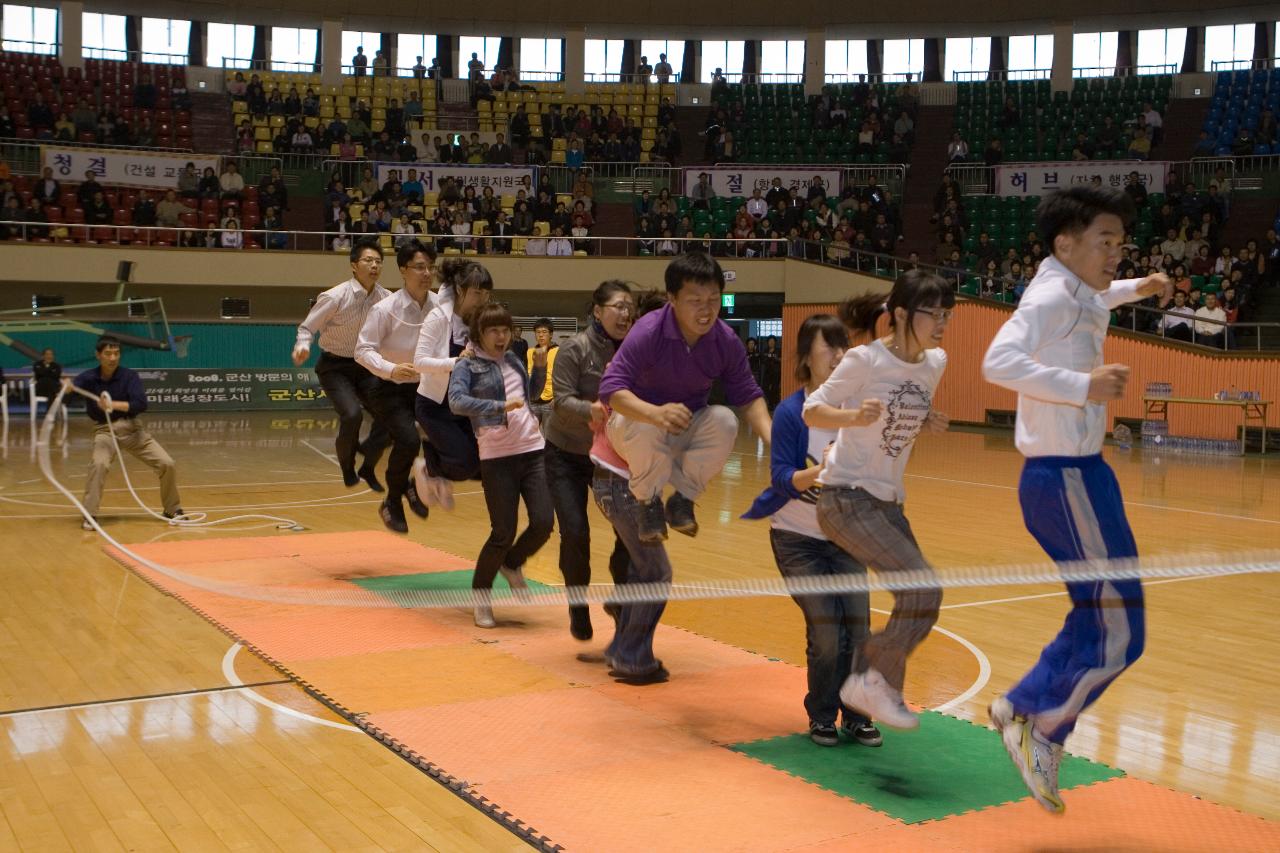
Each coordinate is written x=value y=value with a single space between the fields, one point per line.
x=657 y=386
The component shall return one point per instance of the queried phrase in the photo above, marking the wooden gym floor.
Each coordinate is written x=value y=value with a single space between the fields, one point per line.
x=125 y=726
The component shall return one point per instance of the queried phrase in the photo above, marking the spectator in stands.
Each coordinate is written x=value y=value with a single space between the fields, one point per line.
x=47 y=188
x=1082 y=149
x=145 y=213
x=209 y=186
x=663 y=69
x=1202 y=263
x=39 y=113
x=1140 y=145
x=1108 y=134
x=519 y=126
x=1010 y=116
x=644 y=70
x=380 y=65
x=302 y=141
x=231 y=182
x=757 y=208
x=88 y=189
x=347 y=148
x=236 y=88
x=702 y=192
x=275 y=104
x=1214 y=204
x=1242 y=145
x=994 y=154
x=1173 y=245
x=1153 y=122
x=558 y=245
x=358 y=130
x=957 y=150
x=1136 y=189
x=98 y=211
x=667 y=245
x=359 y=62
x=64 y=130
x=1177 y=319
x=293 y=102
x=35 y=219
x=1210 y=323
x=1221 y=185
x=169 y=211
x=256 y=95
x=522 y=219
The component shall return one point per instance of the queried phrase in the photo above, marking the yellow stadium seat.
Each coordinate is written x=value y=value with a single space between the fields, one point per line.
x=239 y=106
x=264 y=148
x=387 y=243
x=262 y=133
x=557 y=157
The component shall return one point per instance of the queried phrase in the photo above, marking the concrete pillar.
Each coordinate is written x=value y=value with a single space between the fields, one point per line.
x=71 y=34
x=1063 y=43
x=575 y=60
x=331 y=52
x=815 y=61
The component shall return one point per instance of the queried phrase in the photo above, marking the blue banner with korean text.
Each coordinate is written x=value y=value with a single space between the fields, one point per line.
x=1037 y=179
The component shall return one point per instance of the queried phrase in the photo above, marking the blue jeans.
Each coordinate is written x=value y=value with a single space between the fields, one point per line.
x=834 y=624
x=631 y=651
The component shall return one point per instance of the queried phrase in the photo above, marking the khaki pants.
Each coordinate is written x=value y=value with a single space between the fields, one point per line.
x=687 y=460
x=134 y=438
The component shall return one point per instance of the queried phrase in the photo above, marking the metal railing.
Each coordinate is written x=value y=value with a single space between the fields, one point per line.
x=1004 y=74
x=896 y=77
x=149 y=57
x=978 y=179
x=1124 y=70
x=631 y=77
x=1244 y=64
x=39 y=48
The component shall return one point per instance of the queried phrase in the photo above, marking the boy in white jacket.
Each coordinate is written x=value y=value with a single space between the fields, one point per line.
x=1050 y=352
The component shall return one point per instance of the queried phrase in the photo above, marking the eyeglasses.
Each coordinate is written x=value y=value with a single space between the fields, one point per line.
x=418 y=268
x=939 y=315
x=371 y=261
x=620 y=307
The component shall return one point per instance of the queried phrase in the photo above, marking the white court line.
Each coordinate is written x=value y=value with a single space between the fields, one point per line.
x=984 y=667
x=1126 y=503
x=1064 y=592
x=185 y=486
x=330 y=456
x=229 y=672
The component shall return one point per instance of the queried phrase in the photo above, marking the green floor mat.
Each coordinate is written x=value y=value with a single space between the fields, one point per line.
x=433 y=581
x=946 y=767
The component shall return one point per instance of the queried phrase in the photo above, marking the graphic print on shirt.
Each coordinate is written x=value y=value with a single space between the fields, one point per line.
x=904 y=416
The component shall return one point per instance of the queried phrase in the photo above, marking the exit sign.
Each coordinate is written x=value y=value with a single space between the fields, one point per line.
x=726 y=300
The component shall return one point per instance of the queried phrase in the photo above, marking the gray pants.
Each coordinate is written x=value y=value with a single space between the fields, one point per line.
x=687 y=460
x=876 y=533
x=134 y=438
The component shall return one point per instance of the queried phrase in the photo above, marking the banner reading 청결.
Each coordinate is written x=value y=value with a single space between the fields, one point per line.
x=727 y=181
x=123 y=166
x=505 y=180
x=1035 y=179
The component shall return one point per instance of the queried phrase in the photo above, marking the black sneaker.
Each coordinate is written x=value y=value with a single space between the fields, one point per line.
x=652 y=523
x=371 y=479
x=177 y=513
x=580 y=622
x=823 y=734
x=657 y=675
x=415 y=502
x=680 y=515
x=863 y=732
x=349 y=477
x=392 y=514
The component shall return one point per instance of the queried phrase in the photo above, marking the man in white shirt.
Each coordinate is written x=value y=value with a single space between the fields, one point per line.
x=386 y=348
x=338 y=316
x=1176 y=322
x=1154 y=122
x=1211 y=329
x=757 y=208
x=558 y=245
x=663 y=69
x=1050 y=352
x=1173 y=245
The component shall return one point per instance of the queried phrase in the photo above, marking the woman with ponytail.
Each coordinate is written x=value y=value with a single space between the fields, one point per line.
x=878 y=399
x=451 y=452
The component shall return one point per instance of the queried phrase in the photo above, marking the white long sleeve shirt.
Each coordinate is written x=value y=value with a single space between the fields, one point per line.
x=390 y=333
x=431 y=356
x=1046 y=352
x=338 y=316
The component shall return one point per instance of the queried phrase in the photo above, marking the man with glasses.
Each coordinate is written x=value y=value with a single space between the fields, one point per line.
x=385 y=348
x=658 y=387
x=338 y=315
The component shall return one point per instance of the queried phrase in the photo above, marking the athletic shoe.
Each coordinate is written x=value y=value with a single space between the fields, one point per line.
x=823 y=734
x=392 y=515
x=442 y=491
x=515 y=580
x=580 y=622
x=350 y=477
x=862 y=732
x=651 y=521
x=1037 y=760
x=415 y=502
x=657 y=675
x=87 y=525
x=680 y=515
x=177 y=514
x=421 y=482
x=872 y=696
x=371 y=479
x=484 y=616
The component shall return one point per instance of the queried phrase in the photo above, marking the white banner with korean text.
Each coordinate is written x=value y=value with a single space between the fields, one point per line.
x=1036 y=179
x=740 y=182
x=505 y=180
x=123 y=166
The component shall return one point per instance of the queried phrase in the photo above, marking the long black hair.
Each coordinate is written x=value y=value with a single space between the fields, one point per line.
x=914 y=290
x=463 y=274
x=831 y=330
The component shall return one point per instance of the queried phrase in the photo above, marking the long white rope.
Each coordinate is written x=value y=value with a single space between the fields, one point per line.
x=187 y=520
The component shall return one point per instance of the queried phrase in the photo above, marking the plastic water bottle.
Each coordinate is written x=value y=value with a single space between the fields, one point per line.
x=1123 y=436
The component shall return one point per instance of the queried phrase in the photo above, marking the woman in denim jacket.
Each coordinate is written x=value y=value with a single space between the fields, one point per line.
x=491 y=387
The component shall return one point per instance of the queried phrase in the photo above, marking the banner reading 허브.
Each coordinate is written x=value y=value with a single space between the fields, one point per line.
x=1035 y=179
x=124 y=166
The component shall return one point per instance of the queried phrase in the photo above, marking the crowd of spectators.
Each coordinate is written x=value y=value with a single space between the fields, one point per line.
x=145 y=116
x=1131 y=139
x=592 y=134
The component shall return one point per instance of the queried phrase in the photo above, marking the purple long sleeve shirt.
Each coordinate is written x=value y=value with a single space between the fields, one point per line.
x=656 y=365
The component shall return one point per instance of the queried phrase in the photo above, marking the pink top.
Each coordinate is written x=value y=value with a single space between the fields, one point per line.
x=520 y=434
x=603 y=454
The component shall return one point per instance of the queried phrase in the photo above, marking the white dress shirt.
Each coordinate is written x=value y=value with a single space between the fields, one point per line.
x=1204 y=313
x=338 y=316
x=431 y=355
x=390 y=333
x=1046 y=352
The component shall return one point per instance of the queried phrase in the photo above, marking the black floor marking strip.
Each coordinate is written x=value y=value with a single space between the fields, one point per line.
x=199 y=691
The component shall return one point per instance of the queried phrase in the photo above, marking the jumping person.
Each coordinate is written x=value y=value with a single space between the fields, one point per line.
x=128 y=402
x=492 y=388
x=1050 y=352
x=658 y=386
x=451 y=454
x=880 y=397
x=569 y=434
x=337 y=318
x=834 y=624
x=385 y=348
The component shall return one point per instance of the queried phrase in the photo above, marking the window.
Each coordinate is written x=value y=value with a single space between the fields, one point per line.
x=293 y=49
x=1094 y=54
x=371 y=42
x=654 y=48
x=725 y=55
x=484 y=47
x=228 y=45
x=602 y=59
x=905 y=56
x=165 y=41
x=1161 y=47
x=846 y=58
x=970 y=58
x=103 y=36
x=782 y=58
x=541 y=59
x=1221 y=44
x=1029 y=53
x=30 y=29
x=409 y=46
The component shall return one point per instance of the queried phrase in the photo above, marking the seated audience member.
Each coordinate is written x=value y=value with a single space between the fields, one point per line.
x=231 y=182
x=1209 y=332
x=1176 y=322
x=145 y=212
x=169 y=211
x=232 y=238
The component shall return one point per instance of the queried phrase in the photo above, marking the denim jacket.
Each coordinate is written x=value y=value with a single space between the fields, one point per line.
x=477 y=390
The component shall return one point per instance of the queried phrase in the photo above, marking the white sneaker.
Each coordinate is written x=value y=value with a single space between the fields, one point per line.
x=421 y=482
x=443 y=490
x=870 y=694
x=1037 y=759
x=484 y=616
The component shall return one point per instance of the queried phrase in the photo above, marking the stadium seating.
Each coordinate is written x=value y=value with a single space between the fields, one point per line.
x=1239 y=99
